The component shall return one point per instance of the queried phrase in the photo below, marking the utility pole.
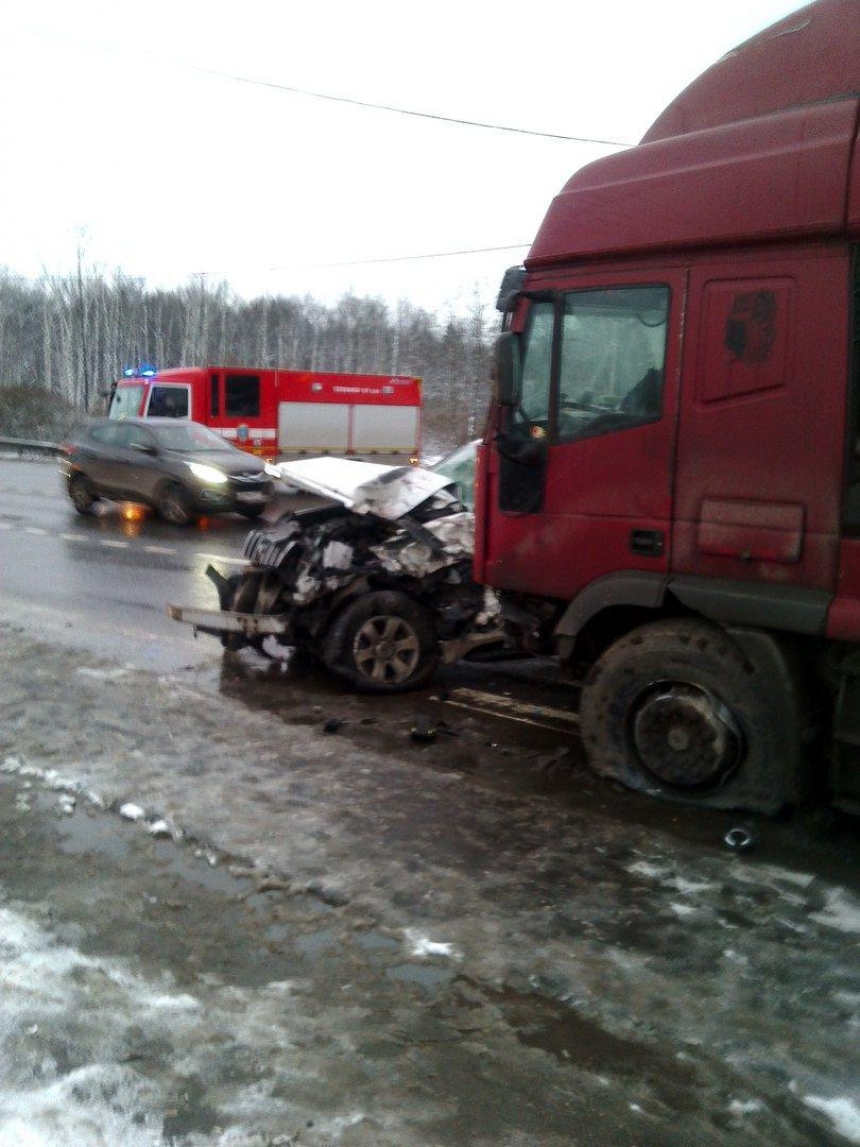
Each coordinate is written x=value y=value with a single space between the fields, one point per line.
x=83 y=321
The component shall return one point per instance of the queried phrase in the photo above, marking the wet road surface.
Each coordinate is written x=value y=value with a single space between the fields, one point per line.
x=360 y=937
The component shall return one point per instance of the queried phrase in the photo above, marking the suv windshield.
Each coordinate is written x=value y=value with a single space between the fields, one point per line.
x=188 y=436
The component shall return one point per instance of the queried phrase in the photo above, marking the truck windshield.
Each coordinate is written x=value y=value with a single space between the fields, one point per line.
x=592 y=362
x=126 y=401
x=613 y=347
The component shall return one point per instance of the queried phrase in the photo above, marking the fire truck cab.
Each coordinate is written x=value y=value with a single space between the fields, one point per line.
x=283 y=413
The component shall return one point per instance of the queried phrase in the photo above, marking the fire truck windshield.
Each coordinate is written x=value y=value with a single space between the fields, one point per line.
x=125 y=402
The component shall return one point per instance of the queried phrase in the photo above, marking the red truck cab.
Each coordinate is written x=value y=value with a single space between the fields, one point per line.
x=668 y=492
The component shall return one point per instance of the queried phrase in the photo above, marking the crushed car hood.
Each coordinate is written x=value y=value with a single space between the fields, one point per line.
x=366 y=487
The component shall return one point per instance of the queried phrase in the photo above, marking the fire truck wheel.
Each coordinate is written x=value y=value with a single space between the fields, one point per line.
x=677 y=709
x=174 y=505
x=382 y=642
x=81 y=494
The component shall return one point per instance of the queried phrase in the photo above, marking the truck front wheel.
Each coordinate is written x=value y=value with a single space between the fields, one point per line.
x=680 y=709
x=382 y=642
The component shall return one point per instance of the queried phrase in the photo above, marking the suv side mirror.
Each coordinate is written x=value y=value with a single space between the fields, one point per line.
x=507 y=369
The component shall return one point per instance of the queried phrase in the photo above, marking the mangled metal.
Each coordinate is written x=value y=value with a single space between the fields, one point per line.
x=375 y=578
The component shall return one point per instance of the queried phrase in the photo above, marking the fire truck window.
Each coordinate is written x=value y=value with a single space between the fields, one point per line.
x=533 y=409
x=214 y=406
x=126 y=401
x=168 y=402
x=242 y=396
x=613 y=353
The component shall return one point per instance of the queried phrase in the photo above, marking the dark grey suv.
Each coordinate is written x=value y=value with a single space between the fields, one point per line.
x=180 y=468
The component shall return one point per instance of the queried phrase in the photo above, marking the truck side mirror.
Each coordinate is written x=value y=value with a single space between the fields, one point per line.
x=507 y=369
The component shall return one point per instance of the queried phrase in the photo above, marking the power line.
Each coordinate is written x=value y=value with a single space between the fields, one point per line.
x=402 y=111
x=165 y=61
x=387 y=259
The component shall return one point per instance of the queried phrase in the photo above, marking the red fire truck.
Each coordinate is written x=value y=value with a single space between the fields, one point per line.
x=283 y=413
x=668 y=493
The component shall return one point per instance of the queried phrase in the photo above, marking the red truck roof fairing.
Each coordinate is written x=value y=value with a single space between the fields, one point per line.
x=758 y=148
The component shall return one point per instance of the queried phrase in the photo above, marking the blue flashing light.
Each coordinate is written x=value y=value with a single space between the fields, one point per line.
x=145 y=370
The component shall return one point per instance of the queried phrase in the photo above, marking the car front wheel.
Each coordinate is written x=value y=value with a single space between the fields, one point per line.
x=174 y=505
x=382 y=642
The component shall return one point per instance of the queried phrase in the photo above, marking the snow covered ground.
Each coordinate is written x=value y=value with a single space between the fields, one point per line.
x=221 y=925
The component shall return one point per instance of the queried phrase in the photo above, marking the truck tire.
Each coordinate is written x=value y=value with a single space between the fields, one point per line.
x=81 y=493
x=681 y=710
x=382 y=642
x=174 y=505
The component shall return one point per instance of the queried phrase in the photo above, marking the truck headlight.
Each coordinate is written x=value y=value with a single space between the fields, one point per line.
x=208 y=474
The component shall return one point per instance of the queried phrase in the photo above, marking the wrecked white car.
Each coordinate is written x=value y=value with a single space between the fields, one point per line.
x=374 y=578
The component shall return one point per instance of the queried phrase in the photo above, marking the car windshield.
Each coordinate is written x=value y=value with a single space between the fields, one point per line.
x=460 y=467
x=189 y=436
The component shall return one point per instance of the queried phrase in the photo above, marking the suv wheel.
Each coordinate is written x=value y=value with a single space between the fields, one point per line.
x=174 y=505
x=81 y=493
x=382 y=642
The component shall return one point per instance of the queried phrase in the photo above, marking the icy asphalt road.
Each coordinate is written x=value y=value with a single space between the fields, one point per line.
x=386 y=942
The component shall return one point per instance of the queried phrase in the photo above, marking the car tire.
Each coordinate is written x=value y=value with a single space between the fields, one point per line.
x=382 y=642
x=174 y=505
x=678 y=709
x=81 y=493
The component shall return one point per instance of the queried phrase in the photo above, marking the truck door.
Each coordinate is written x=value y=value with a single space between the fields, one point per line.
x=762 y=422
x=580 y=480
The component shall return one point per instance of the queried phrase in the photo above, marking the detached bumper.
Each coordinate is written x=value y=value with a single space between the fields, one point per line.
x=218 y=621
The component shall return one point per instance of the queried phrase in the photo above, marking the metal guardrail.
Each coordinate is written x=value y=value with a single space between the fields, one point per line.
x=24 y=446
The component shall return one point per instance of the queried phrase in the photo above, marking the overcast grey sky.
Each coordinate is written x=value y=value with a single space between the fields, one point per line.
x=130 y=128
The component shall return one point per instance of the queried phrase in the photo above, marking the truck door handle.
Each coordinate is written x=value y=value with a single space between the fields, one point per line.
x=648 y=543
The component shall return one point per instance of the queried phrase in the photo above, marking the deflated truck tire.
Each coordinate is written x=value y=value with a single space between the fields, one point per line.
x=382 y=642
x=679 y=709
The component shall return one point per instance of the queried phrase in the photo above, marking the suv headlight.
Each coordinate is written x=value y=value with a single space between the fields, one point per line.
x=208 y=474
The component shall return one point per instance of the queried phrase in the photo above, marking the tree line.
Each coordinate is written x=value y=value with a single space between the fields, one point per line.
x=69 y=337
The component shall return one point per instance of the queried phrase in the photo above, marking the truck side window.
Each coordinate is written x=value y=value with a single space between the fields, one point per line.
x=242 y=396
x=533 y=409
x=612 y=357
